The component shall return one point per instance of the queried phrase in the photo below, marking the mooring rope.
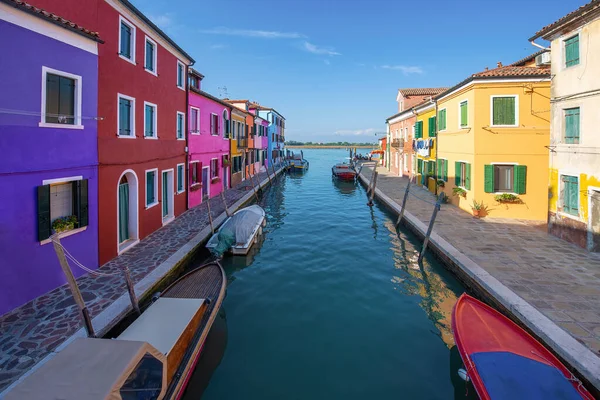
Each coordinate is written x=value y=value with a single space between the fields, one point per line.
x=80 y=265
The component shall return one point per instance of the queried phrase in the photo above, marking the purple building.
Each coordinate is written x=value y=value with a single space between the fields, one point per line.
x=48 y=145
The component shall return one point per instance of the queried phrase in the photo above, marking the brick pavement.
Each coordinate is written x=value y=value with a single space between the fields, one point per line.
x=30 y=332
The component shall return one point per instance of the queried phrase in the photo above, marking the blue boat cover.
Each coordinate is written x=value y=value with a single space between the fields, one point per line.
x=514 y=377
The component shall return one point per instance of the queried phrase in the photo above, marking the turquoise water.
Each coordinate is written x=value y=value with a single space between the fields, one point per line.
x=333 y=305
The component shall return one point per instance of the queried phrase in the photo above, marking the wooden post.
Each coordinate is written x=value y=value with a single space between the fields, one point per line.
x=274 y=172
x=212 y=228
x=62 y=259
x=253 y=188
x=131 y=290
x=430 y=228
x=225 y=204
x=269 y=176
x=404 y=200
x=370 y=187
x=370 y=203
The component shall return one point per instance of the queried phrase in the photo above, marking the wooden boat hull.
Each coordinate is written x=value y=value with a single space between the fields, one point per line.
x=206 y=282
x=505 y=362
x=343 y=172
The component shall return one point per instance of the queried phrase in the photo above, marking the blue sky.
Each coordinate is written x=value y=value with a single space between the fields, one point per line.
x=333 y=67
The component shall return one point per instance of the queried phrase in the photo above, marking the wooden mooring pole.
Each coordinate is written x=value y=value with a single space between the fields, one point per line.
x=274 y=172
x=131 y=290
x=62 y=259
x=210 y=220
x=430 y=228
x=370 y=187
x=225 y=204
x=253 y=188
x=404 y=200
x=370 y=203
x=269 y=176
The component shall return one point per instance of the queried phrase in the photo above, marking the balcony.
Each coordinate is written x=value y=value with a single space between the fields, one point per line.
x=242 y=142
x=397 y=143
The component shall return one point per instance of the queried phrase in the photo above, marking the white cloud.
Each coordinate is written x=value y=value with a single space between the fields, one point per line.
x=163 y=21
x=253 y=33
x=406 y=70
x=311 y=48
x=357 y=132
x=327 y=62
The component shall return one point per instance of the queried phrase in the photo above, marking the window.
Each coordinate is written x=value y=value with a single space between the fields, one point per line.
x=226 y=123
x=442 y=120
x=151 y=187
x=569 y=194
x=194 y=82
x=572 y=51
x=195 y=168
x=442 y=169
x=214 y=124
x=214 y=168
x=464 y=116
x=61 y=99
x=504 y=111
x=405 y=161
x=126 y=119
x=572 y=125
x=151 y=54
x=180 y=178
x=462 y=174
x=180 y=125
x=126 y=40
x=180 y=74
x=432 y=128
x=499 y=178
x=418 y=129
x=236 y=164
x=194 y=121
x=150 y=120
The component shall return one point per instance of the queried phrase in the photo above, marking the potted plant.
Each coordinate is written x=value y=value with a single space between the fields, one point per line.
x=441 y=183
x=215 y=180
x=64 y=224
x=458 y=191
x=477 y=208
x=195 y=187
x=227 y=162
x=508 y=198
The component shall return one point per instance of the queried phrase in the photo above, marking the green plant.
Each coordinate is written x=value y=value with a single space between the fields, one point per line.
x=64 y=224
x=478 y=206
x=441 y=183
x=507 y=198
x=458 y=191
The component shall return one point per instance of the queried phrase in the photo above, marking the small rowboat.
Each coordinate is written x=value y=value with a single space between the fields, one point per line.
x=152 y=359
x=345 y=172
x=505 y=362
x=239 y=232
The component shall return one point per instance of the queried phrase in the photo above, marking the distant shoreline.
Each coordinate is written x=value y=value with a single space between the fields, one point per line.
x=328 y=147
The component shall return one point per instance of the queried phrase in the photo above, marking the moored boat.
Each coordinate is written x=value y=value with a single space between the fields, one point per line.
x=239 y=232
x=151 y=360
x=298 y=163
x=505 y=362
x=343 y=171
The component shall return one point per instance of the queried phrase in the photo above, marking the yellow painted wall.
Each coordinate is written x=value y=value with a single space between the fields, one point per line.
x=585 y=182
x=233 y=143
x=424 y=116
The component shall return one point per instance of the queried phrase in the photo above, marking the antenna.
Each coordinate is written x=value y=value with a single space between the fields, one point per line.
x=223 y=92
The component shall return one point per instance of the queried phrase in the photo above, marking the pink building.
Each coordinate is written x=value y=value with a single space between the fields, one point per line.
x=208 y=143
x=261 y=139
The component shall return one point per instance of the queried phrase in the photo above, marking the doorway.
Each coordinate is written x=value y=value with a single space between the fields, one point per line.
x=127 y=210
x=168 y=196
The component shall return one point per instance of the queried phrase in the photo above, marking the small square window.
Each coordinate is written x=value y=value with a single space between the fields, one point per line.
x=60 y=99
x=214 y=124
x=504 y=111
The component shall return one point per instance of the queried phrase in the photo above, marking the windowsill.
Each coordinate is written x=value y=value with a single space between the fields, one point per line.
x=167 y=220
x=504 y=126
x=150 y=72
x=568 y=144
x=214 y=134
x=567 y=215
x=125 y=136
x=194 y=133
x=149 y=206
x=151 y=137
x=126 y=245
x=181 y=138
x=195 y=184
x=179 y=192
x=181 y=87
x=513 y=193
x=64 y=235
x=132 y=61
x=61 y=126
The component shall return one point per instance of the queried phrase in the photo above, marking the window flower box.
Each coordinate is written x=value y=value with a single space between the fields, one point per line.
x=458 y=191
x=195 y=187
x=508 y=198
x=215 y=180
x=64 y=224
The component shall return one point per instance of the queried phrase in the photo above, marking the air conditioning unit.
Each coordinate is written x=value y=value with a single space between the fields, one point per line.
x=543 y=59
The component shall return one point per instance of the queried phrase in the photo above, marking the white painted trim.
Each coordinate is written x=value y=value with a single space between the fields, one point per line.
x=199 y=177
x=211 y=168
x=403 y=116
x=148 y=206
x=183 y=79
x=504 y=163
x=30 y=22
x=559 y=203
x=133 y=206
x=62 y=180
x=133 y=37
x=487 y=81
x=208 y=182
x=197 y=120
x=516 y=97
x=155 y=58
x=154 y=122
x=179 y=113
x=590 y=233
x=132 y=99
x=183 y=181
x=424 y=108
x=210 y=124
x=170 y=193
x=460 y=127
x=77 y=99
x=62 y=235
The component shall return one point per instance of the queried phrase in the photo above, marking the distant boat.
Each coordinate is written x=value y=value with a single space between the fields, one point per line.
x=239 y=232
x=151 y=360
x=343 y=171
x=297 y=163
x=505 y=362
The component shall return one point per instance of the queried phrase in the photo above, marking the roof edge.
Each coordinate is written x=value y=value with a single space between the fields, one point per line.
x=570 y=18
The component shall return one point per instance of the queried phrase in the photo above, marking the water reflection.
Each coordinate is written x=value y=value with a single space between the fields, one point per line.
x=345 y=188
x=462 y=390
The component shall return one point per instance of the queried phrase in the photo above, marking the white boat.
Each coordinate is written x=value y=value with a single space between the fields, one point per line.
x=239 y=232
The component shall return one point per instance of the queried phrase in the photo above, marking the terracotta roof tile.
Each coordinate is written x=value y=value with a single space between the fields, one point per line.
x=592 y=5
x=421 y=91
x=41 y=13
x=514 y=71
x=526 y=59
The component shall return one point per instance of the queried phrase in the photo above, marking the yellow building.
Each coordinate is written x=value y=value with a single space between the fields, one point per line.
x=494 y=133
x=424 y=144
x=238 y=144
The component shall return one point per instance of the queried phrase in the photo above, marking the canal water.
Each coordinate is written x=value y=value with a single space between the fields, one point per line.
x=333 y=305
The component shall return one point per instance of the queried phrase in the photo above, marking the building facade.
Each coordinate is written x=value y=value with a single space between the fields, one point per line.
x=275 y=133
x=574 y=182
x=208 y=143
x=424 y=144
x=238 y=145
x=49 y=166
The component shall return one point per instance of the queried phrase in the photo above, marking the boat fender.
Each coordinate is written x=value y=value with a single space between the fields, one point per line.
x=208 y=301
x=462 y=373
x=155 y=297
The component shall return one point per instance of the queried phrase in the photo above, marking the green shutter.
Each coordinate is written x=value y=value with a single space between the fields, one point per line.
x=488 y=180
x=419 y=130
x=441 y=120
x=464 y=116
x=572 y=51
x=445 y=170
x=432 y=127
x=457 y=176
x=468 y=176
x=572 y=125
x=504 y=112
x=573 y=195
x=439 y=172
x=123 y=212
x=520 y=179
x=82 y=210
x=43 y=207
x=419 y=165
x=150 y=188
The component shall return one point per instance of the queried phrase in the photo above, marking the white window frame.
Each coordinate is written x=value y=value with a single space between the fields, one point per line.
x=133 y=35
x=210 y=170
x=462 y=176
x=76 y=100
x=563 y=51
x=154 y=58
x=197 y=119
x=148 y=206
x=210 y=124
x=179 y=63
x=132 y=99
x=199 y=182
x=59 y=181
x=460 y=116
x=492 y=97
x=514 y=164
x=182 y=165
x=438 y=122
x=177 y=123
x=155 y=122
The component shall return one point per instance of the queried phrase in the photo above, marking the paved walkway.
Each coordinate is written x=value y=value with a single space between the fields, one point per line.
x=32 y=331
x=559 y=279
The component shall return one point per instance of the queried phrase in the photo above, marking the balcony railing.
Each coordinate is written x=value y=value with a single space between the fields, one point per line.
x=398 y=143
x=242 y=142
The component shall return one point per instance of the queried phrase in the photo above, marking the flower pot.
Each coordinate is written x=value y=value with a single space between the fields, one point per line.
x=476 y=213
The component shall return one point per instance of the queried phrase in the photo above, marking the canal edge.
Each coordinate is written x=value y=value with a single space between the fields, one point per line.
x=573 y=353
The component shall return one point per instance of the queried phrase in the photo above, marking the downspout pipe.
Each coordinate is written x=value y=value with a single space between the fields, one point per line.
x=539 y=45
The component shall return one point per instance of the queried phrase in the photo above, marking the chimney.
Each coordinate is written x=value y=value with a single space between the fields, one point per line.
x=486 y=69
x=499 y=64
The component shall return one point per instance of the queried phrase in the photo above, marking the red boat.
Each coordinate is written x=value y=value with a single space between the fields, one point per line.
x=344 y=172
x=505 y=362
